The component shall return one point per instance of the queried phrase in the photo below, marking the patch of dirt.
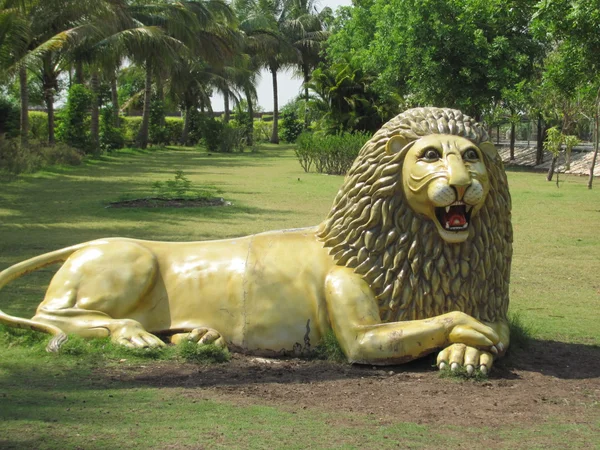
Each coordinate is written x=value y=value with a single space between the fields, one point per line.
x=158 y=202
x=547 y=382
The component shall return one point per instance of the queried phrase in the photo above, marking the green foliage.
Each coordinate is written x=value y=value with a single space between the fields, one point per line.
x=74 y=126
x=267 y=118
x=455 y=53
x=191 y=352
x=173 y=129
x=111 y=137
x=262 y=131
x=291 y=127
x=224 y=138
x=329 y=349
x=554 y=141
x=15 y=160
x=10 y=117
x=331 y=154
x=345 y=97
x=38 y=125
x=158 y=131
x=178 y=187
x=212 y=131
x=131 y=127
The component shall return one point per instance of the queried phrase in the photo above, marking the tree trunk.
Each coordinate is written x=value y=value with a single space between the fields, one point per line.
x=160 y=93
x=512 y=141
x=250 y=125
x=539 y=154
x=498 y=134
x=596 y=132
x=186 y=125
x=79 y=72
x=114 y=95
x=95 y=119
x=551 y=170
x=24 y=106
x=226 y=106
x=142 y=137
x=305 y=70
x=49 y=98
x=275 y=133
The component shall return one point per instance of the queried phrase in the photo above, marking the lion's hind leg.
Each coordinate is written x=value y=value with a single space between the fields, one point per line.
x=201 y=335
x=99 y=289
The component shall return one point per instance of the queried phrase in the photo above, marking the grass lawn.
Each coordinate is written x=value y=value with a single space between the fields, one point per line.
x=50 y=402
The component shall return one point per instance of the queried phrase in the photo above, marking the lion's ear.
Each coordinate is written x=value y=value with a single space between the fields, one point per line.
x=490 y=150
x=396 y=144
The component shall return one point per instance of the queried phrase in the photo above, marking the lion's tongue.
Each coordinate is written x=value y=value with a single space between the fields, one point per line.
x=455 y=217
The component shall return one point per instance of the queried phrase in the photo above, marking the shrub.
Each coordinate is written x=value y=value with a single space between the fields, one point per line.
x=262 y=131
x=10 y=118
x=291 y=127
x=267 y=118
x=38 y=125
x=233 y=138
x=74 y=127
x=130 y=127
x=211 y=131
x=173 y=129
x=15 y=160
x=331 y=154
x=111 y=137
x=171 y=189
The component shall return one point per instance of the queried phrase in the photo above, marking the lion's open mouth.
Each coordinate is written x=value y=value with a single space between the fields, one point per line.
x=454 y=217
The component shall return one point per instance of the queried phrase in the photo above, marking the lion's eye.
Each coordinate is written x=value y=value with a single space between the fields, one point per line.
x=471 y=155
x=430 y=155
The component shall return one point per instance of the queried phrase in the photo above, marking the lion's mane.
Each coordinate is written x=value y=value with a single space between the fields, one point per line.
x=414 y=273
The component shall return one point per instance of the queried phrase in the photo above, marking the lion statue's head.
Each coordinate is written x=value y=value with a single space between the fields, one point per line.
x=424 y=216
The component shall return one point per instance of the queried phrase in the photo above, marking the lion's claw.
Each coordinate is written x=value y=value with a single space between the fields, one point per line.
x=461 y=355
x=201 y=335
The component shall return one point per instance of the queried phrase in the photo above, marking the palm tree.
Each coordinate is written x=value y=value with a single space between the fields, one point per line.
x=269 y=20
x=189 y=28
x=34 y=30
x=307 y=30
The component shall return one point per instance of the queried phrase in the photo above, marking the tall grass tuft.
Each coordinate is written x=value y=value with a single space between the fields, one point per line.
x=329 y=349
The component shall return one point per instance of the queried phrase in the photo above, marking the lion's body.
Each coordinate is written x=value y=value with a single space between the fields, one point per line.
x=234 y=286
x=414 y=256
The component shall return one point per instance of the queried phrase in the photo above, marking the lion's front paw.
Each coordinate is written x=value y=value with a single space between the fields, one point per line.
x=202 y=336
x=461 y=355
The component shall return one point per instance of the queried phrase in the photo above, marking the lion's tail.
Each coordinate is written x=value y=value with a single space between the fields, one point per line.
x=28 y=266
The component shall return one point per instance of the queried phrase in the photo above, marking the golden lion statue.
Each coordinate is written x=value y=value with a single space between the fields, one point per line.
x=413 y=257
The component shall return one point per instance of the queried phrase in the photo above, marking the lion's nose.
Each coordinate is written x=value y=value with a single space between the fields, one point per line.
x=458 y=175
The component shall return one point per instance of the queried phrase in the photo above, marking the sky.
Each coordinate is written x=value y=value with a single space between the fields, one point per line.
x=288 y=85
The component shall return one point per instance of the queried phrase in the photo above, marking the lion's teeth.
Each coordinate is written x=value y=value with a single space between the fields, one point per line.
x=448 y=208
x=469 y=207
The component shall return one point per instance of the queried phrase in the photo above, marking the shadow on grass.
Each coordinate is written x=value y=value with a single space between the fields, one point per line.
x=558 y=359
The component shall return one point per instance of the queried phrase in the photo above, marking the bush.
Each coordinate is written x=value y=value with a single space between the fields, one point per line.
x=173 y=129
x=331 y=154
x=15 y=160
x=38 y=125
x=111 y=137
x=130 y=127
x=10 y=118
x=291 y=127
x=267 y=118
x=233 y=138
x=74 y=126
x=262 y=131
